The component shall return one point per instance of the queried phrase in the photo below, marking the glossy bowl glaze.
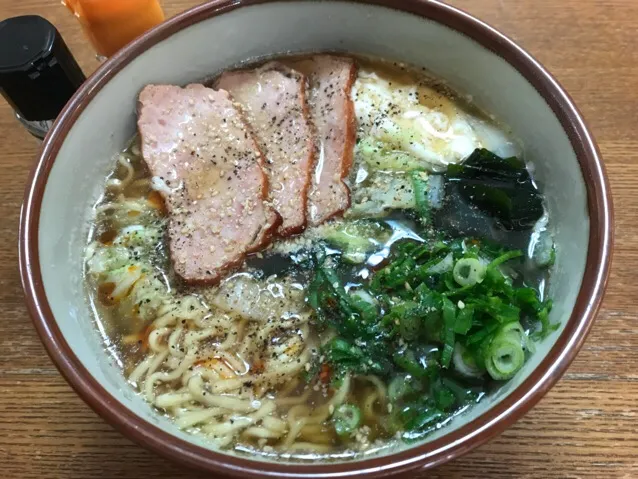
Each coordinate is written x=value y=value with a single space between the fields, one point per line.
x=473 y=57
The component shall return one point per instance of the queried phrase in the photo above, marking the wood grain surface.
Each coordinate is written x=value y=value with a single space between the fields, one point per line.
x=587 y=426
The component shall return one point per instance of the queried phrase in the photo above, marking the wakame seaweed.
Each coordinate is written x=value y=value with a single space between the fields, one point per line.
x=500 y=187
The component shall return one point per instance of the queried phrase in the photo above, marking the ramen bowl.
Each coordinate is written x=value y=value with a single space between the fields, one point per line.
x=474 y=58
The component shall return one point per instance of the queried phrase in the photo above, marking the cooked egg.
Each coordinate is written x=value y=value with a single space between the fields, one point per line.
x=417 y=120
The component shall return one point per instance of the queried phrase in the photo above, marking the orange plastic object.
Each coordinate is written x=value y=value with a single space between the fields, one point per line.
x=111 y=24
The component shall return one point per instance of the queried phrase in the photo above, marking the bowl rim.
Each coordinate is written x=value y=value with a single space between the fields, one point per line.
x=436 y=452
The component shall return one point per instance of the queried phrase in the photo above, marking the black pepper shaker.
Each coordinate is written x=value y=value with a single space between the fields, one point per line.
x=38 y=74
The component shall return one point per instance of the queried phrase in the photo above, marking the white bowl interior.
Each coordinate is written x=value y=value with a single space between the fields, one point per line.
x=102 y=130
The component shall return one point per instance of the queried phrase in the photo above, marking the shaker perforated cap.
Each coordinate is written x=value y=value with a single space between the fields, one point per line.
x=38 y=74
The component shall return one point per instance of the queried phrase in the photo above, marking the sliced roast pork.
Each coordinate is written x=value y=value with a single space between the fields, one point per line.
x=273 y=99
x=209 y=170
x=332 y=112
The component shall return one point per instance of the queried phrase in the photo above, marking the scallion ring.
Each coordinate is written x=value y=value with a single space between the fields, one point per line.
x=464 y=363
x=505 y=357
x=513 y=330
x=468 y=271
x=346 y=419
x=516 y=331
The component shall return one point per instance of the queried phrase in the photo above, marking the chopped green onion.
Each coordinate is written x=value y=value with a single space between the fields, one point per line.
x=436 y=311
x=463 y=394
x=346 y=419
x=427 y=418
x=449 y=321
x=505 y=257
x=420 y=185
x=364 y=304
x=443 y=266
x=505 y=356
x=464 y=363
x=399 y=387
x=515 y=331
x=468 y=271
x=444 y=398
x=409 y=326
x=464 y=319
x=407 y=361
x=546 y=326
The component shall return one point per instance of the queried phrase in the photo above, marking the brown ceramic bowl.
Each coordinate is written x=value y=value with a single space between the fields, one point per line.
x=502 y=78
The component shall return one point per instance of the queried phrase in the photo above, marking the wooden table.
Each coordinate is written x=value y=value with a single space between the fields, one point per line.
x=587 y=426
